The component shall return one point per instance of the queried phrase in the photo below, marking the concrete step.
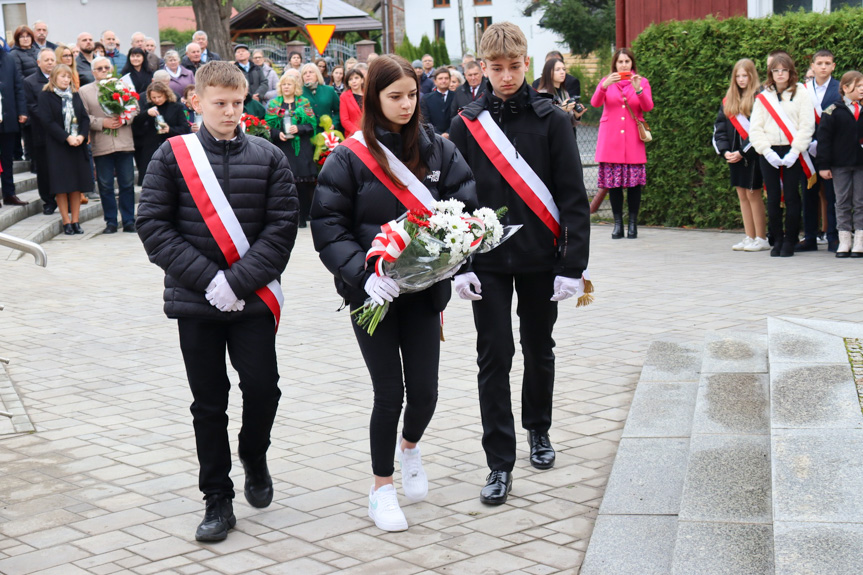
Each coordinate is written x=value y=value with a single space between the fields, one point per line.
x=816 y=448
x=725 y=518
x=637 y=524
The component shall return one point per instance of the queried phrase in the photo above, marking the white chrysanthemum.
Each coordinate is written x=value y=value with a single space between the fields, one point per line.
x=452 y=207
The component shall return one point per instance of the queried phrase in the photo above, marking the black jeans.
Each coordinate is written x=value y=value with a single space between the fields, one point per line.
x=495 y=350
x=412 y=327
x=812 y=210
x=7 y=156
x=251 y=345
x=790 y=189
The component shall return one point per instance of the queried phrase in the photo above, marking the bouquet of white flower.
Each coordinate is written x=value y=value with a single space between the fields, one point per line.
x=424 y=247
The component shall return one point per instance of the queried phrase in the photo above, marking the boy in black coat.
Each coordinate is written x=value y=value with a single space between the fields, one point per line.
x=544 y=260
x=222 y=301
x=840 y=159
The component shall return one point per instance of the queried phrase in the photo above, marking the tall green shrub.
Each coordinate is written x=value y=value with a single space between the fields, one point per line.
x=689 y=66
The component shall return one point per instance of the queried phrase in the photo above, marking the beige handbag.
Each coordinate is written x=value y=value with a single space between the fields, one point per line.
x=643 y=126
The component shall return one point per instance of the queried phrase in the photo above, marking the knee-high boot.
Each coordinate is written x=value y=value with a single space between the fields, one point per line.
x=616 y=197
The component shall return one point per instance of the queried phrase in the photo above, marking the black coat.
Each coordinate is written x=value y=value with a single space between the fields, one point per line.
x=69 y=168
x=571 y=83
x=350 y=205
x=256 y=179
x=437 y=111
x=148 y=139
x=85 y=72
x=839 y=137
x=303 y=165
x=463 y=96
x=542 y=134
x=257 y=81
x=26 y=60
x=726 y=138
x=33 y=85
x=12 y=92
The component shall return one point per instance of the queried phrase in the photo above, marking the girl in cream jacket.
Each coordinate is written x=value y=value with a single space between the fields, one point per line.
x=779 y=152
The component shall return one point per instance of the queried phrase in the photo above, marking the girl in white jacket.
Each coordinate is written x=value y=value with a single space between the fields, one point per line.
x=782 y=125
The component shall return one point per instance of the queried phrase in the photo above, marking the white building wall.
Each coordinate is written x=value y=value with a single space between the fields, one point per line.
x=420 y=16
x=68 y=18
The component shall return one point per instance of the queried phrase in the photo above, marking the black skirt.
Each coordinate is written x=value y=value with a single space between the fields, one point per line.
x=746 y=173
x=68 y=167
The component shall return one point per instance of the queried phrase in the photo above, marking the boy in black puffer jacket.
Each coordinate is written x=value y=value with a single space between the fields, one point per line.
x=218 y=213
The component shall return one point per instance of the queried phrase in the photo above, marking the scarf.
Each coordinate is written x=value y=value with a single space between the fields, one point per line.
x=303 y=114
x=312 y=86
x=68 y=109
x=176 y=74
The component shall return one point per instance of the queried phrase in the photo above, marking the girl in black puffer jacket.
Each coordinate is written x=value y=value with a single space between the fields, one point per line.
x=350 y=205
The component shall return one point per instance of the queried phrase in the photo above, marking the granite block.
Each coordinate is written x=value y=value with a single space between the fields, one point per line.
x=671 y=362
x=809 y=396
x=723 y=549
x=838 y=328
x=661 y=410
x=794 y=343
x=818 y=548
x=734 y=353
x=728 y=479
x=818 y=475
x=647 y=477
x=628 y=544
x=734 y=403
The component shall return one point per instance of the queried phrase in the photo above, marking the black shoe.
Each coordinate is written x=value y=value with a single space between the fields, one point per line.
x=129 y=228
x=259 y=484
x=497 y=485
x=110 y=229
x=617 y=232
x=77 y=228
x=832 y=245
x=68 y=230
x=788 y=249
x=48 y=210
x=541 y=452
x=806 y=246
x=776 y=250
x=632 y=232
x=218 y=520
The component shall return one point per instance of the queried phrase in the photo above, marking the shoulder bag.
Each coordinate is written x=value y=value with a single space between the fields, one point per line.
x=643 y=126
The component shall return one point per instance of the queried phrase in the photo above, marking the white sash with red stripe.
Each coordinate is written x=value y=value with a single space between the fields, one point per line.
x=514 y=169
x=217 y=212
x=777 y=112
x=810 y=87
x=416 y=197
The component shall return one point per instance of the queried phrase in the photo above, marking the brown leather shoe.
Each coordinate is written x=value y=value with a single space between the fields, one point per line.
x=14 y=201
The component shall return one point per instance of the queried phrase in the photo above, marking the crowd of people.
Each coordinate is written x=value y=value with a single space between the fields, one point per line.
x=800 y=141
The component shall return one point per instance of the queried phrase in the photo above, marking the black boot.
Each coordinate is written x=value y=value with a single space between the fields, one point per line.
x=776 y=251
x=617 y=232
x=218 y=520
x=632 y=232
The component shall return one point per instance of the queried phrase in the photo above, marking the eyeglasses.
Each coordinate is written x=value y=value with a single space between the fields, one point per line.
x=102 y=68
x=779 y=71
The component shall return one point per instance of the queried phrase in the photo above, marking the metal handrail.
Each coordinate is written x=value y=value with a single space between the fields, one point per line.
x=25 y=246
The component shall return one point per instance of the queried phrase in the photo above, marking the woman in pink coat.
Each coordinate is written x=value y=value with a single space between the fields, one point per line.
x=619 y=150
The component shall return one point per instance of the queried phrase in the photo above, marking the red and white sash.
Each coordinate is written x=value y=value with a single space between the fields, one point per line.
x=217 y=212
x=777 y=112
x=415 y=197
x=810 y=87
x=514 y=169
x=741 y=124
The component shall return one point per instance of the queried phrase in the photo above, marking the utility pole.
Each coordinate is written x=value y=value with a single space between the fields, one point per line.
x=461 y=28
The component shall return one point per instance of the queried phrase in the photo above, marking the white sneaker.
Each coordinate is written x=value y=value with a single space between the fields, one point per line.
x=757 y=245
x=384 y=509
x=414 y=479
x=741 y=245
x=820 y=239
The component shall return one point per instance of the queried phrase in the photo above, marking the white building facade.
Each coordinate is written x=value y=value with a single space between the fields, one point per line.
x=440 y=18
x=68 y=18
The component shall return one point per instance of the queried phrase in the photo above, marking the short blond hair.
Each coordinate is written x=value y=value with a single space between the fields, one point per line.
x=219 y=74
x=503 y=40
x=310 y=66
x=298 y=85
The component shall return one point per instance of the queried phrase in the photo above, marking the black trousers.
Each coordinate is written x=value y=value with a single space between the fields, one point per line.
x=495 y=350
x=790 y=189
x=39 y=155
x=251 y=346
x=407 y=342
x=7 y=157
x=812 y=210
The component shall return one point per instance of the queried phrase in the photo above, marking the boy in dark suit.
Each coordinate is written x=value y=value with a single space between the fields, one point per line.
x=436 y=106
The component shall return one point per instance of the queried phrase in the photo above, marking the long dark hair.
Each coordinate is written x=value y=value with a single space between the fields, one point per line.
x=546 y=81
x=383 y=71
x=783 y=60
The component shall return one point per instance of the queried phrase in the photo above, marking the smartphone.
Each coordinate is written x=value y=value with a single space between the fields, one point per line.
x=625 y=75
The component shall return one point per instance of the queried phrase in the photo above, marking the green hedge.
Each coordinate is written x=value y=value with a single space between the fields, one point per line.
x=689 y=66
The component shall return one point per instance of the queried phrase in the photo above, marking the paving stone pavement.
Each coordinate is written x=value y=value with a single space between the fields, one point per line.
x=108 y=482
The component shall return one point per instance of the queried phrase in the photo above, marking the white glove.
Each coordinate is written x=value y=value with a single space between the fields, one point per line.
x=773 y=159
x=463 y=283
x=813 y=148
x=381 y=288
x=565 y=288
x=790 y=158
x=220 y=295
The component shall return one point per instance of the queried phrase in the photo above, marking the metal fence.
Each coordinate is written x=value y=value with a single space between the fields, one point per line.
x=336 y=52
x=587 y=136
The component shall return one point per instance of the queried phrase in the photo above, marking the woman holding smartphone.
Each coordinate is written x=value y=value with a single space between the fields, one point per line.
x=350 y=205
x=731 y=141
x=781 y=155
x=620 y=152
